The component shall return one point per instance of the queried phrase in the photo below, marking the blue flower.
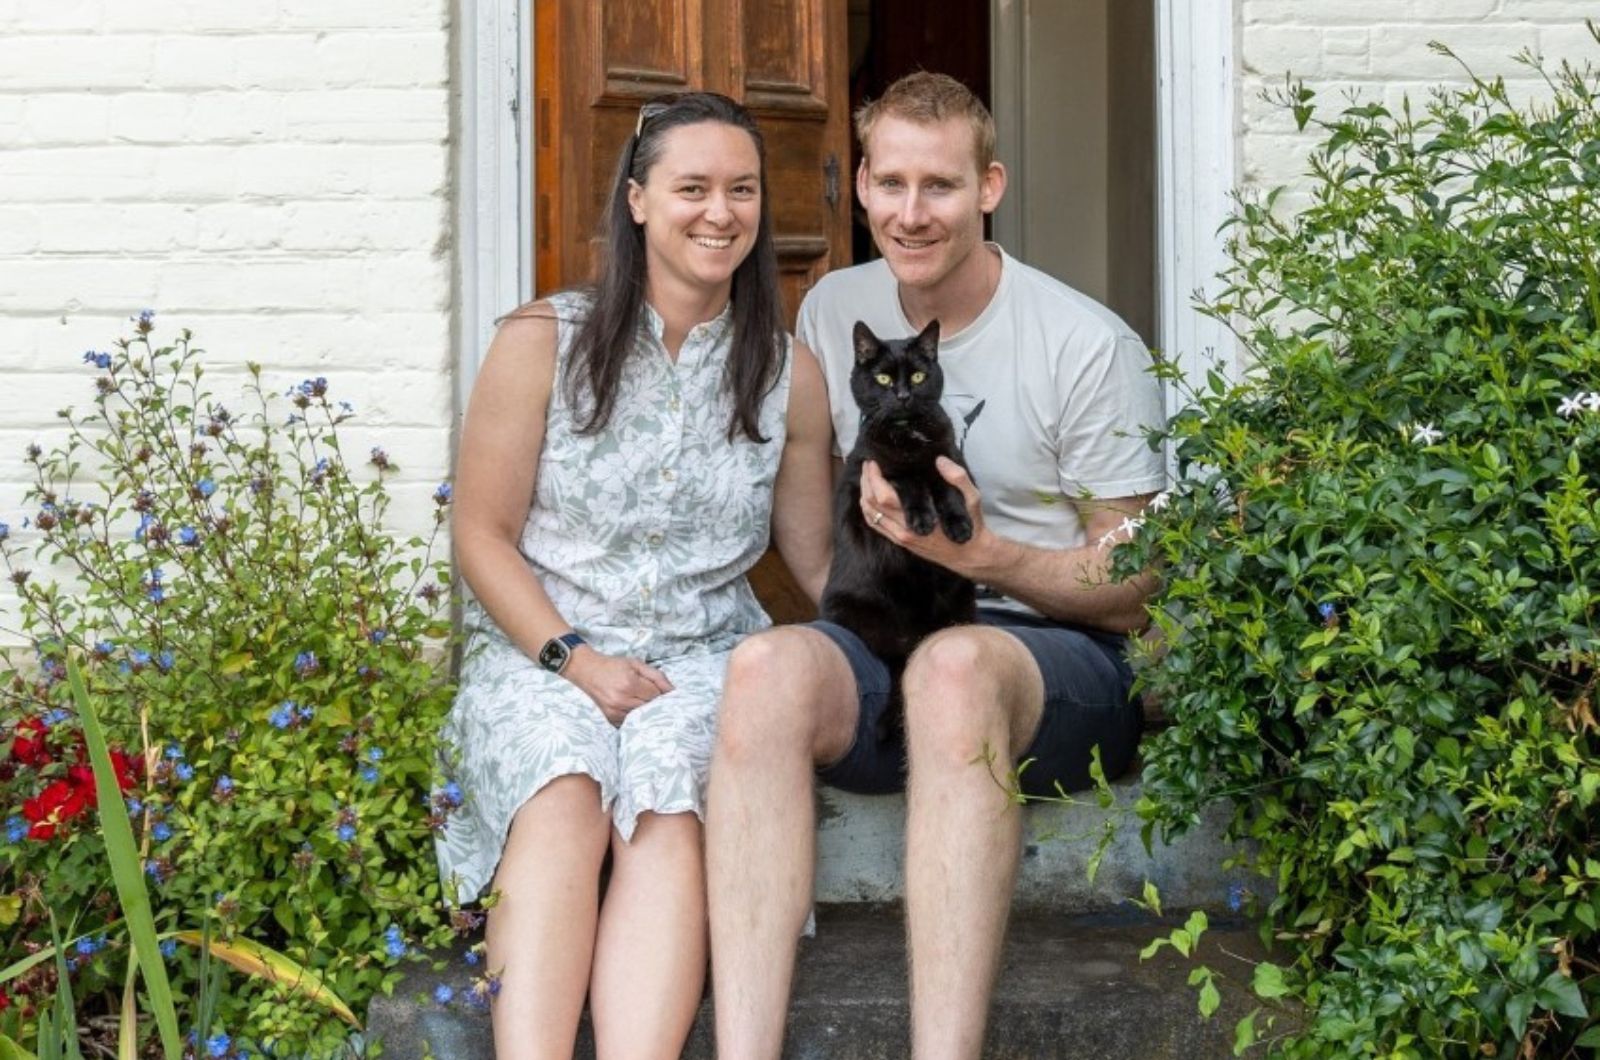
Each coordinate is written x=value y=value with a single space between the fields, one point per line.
x=442 y=494
x=174 y=752
x=135 y=807
x=346 y=833
x=103 y=648
x=165 y=661
x=283 y=715
x=168 y=947
x=99 y=360
x=87 y=947
x=139 y=658
x=378 y=636
x=394 y=942
x=156 y=594
x=16 y=829
x=1326 y=610
x=306 y=713
x=206 y=487
x=1236 y=893
x=184 y=772
x=187 y=535
x=375 y=754
x=444 y=994
x=452 y=793
x=472 y=957
x=218 y=1046
x=306 y=664
x=72 y=964
x=224 y=785
x=161 y=832
x=146 y=316
x=55 y=716
x=369 y=774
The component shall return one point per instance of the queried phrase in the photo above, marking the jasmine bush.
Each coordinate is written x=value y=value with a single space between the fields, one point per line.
x=268 y=665
x=1382 y=581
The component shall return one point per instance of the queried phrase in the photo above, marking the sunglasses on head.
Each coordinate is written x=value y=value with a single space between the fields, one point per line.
x=649 y=112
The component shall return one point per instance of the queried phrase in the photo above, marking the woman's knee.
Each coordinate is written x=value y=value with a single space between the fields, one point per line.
x=568 y=807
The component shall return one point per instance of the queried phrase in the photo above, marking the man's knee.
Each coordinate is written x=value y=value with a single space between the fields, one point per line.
x=768 y=694
x=963 y=689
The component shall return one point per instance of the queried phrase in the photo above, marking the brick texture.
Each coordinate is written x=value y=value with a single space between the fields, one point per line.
x=1378 y=50
x=272 y=175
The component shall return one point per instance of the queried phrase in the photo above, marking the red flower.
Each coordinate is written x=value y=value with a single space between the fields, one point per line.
x=123 y=766
x=27 y=743
x=57 y=804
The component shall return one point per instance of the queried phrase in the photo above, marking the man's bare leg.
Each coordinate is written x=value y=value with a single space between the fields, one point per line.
x=970 y=692
x=789 y=701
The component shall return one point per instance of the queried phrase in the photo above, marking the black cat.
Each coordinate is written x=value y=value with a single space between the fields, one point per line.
x=889 y=597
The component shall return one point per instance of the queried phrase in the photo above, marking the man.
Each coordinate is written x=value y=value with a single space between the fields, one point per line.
x=1049 y=393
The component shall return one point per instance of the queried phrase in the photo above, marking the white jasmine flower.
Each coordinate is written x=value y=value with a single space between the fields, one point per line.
x=1160 y=501
x=1571 y=406
x=1426 y=434
x=1591 y=401
x=1124 y=530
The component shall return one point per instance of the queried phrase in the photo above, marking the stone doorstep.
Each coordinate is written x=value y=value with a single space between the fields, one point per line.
x=861 y=847
x=1069 y=987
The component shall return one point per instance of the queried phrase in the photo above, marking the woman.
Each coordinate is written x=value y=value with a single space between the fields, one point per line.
x=625 y=453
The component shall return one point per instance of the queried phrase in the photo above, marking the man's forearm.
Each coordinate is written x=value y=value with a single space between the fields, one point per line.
x=1071 y=584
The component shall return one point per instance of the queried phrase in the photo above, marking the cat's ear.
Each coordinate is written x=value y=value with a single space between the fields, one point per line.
x=928 y=340
x=867 y=344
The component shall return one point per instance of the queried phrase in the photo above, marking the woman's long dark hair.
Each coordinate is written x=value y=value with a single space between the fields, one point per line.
x=608 y=334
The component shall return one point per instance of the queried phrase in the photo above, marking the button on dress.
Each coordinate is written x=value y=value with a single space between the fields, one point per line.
x=642 y=535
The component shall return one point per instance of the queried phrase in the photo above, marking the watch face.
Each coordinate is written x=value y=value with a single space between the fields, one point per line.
x=553 y=656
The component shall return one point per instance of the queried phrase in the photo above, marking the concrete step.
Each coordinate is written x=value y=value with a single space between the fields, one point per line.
x=1069 y=987
x=861 y=848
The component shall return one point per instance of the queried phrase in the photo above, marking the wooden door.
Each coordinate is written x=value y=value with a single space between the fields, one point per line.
x=597 y=61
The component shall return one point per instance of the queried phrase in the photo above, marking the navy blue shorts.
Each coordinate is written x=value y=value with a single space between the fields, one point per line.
x=1087 y=702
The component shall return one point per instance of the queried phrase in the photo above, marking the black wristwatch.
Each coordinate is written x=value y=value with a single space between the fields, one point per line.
x=557 y=652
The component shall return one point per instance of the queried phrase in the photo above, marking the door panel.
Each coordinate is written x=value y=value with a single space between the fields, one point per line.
x=596 y=61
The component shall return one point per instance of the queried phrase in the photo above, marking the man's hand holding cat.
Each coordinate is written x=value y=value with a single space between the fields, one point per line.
x=878 y=496
x=616 y=684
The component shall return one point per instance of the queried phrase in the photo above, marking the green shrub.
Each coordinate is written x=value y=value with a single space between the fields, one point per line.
x=1382 y=579
x=267 y=665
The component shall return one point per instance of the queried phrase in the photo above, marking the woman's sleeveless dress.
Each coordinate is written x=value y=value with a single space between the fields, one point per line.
x=642 y=535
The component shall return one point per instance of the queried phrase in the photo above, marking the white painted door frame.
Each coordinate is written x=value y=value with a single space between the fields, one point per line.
x=1197 y=143
x=493 y=173
x=1196 y=147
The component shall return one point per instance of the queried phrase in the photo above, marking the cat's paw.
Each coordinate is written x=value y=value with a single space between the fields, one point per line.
x=958 y=527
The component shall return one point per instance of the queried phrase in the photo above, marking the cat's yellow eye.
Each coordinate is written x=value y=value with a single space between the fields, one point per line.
x=883 y=379
x=917 y=377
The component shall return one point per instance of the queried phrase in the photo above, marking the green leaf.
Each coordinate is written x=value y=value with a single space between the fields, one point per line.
x=1210 y=999
x=126 y=870
x=10 y=1050
x=1267 y=981
x=1561 y=994
x=1244 y=1032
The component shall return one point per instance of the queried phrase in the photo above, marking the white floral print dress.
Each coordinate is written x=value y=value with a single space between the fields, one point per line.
x=642 y=535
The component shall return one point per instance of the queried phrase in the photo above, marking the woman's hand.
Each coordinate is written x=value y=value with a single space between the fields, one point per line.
x=616 y=684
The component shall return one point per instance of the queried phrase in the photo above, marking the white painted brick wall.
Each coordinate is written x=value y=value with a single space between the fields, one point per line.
x=1379 y=50
x=273 y=175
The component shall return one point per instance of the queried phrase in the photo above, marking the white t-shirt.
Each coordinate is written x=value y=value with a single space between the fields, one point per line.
x=1050 y=393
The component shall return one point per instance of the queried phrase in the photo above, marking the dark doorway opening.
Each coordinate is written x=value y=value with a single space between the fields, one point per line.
x=892 y=38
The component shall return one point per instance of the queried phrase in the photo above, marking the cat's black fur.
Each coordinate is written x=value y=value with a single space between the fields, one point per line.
x=889 y=597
